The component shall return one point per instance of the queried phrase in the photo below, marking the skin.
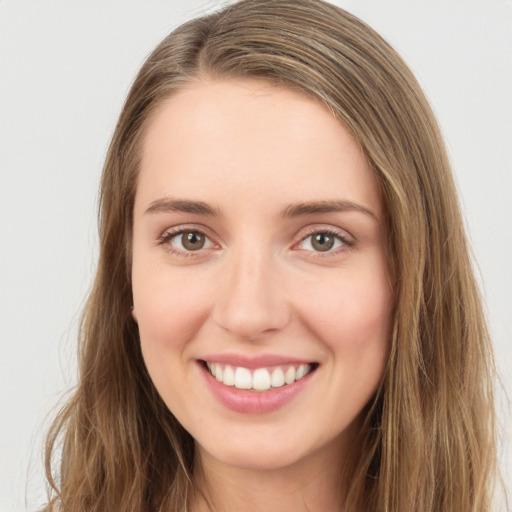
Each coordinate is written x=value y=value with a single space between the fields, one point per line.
x=259 y=286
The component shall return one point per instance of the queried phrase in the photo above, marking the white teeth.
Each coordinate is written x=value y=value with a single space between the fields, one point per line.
x=218 y=372
x=289 y=376
x=277 y=378
x=301 y=371
x=260 y=379
x=229 y=376
x=243 y=378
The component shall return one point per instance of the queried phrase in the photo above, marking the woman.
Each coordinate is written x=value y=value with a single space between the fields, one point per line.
x=284 y=314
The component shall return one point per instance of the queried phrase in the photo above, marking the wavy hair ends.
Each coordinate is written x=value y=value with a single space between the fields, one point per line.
x=429 y=441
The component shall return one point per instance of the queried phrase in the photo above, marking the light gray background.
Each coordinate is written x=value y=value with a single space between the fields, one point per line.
x=65 y=69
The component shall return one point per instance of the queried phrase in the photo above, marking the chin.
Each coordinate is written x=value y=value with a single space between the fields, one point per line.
x=253 y=458
x=268 y=449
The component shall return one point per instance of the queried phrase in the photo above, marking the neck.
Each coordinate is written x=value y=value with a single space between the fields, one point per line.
x=316 y=483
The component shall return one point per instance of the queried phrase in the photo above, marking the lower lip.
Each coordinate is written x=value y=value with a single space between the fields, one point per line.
x=254 y=402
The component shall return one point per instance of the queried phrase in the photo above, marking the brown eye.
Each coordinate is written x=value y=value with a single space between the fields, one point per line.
x=184 y=242
x=322 y=242
x=192 y=240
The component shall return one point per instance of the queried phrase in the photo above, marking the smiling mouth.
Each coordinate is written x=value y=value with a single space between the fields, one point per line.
x=258 y=379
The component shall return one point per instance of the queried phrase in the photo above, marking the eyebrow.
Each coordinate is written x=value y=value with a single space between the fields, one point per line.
x=167 y=204
x=318 y=207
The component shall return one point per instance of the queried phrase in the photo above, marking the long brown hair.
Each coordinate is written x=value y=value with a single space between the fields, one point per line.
x=429 y=441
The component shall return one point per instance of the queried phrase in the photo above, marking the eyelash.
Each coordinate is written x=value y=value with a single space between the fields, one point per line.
x=169 y=235
x=346 y=242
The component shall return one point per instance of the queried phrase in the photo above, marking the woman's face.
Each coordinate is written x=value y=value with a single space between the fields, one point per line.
x=258 y=256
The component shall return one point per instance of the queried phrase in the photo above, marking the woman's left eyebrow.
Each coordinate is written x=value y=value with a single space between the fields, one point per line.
x=318 y=207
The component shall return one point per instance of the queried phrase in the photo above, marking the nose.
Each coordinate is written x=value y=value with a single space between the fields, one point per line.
x=251 y=302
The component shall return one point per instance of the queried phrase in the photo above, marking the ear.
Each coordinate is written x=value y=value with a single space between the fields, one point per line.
x=134 y=314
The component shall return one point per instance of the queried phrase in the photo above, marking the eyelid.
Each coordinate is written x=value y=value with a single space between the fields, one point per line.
x=175 y=231
x=327 y=228
x=347 y=240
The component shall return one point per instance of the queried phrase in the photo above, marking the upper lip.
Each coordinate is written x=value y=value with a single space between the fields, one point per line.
x=253 y=362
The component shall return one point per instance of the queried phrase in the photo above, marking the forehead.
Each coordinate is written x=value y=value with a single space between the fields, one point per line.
x=217 y=138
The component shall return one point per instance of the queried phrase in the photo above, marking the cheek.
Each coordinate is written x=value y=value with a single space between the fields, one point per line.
x=170 y=309
x=169 y=314
x=353 y=316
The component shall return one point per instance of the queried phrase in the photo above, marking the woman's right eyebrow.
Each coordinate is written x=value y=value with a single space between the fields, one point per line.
x=167 y=204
